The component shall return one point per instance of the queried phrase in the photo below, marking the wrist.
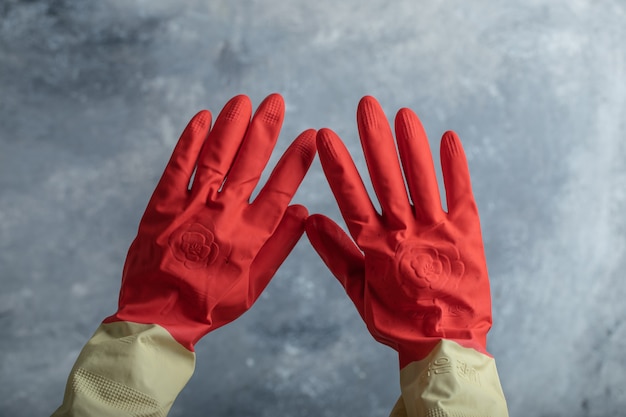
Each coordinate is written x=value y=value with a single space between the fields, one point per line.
x=182 y=330
x=418 y=351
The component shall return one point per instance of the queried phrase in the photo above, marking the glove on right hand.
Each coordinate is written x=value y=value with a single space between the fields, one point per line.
x=420 y=274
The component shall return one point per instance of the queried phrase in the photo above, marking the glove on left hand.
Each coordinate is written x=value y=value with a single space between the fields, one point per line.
x=417 y=274
x=203 y=256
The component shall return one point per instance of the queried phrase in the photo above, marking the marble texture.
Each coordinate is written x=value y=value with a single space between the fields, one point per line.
x=93 y=96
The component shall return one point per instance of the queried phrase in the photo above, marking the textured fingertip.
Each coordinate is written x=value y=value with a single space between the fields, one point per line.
x=451 y=145
x=325 y=143
x=325 y=135
x=305 y=144
x=201 y=121
x=237 y=107
x=407 y=123
x=273 y=108
x=369 y=113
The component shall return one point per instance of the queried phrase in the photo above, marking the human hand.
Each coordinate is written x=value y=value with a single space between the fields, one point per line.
x=202 y=256
x=417 y=273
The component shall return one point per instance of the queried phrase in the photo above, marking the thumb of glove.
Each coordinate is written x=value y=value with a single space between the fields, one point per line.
x=341 y=256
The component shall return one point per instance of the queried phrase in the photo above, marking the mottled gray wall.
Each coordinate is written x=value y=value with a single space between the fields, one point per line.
x=93 y=96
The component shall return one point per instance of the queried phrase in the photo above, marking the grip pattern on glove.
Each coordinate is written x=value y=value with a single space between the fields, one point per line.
x=115 y=395
x=437 y=412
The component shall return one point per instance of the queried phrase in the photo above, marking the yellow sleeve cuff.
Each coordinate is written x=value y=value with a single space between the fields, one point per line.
x=127 y=369
x=452 y=381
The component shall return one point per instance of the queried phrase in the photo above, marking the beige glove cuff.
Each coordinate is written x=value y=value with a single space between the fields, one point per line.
x=127 y=369
x=452 y=381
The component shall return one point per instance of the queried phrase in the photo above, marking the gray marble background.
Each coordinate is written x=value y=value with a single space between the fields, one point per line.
x=93 y=96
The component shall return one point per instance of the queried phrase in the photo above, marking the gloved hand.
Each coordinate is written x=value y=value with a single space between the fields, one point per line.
x=419 y=273
x=202 y=256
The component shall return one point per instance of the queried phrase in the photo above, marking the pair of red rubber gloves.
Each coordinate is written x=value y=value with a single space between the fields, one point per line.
x=204 y=253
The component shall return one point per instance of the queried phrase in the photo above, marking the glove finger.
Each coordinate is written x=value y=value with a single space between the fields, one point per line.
x=456 y=176
x=174 y=183
x=418 y=166
x=382 y=163
x=347 y=186
x=276 y=249
x=255 y=150
x=341 y=256
x=274 y=197
x=220 y=148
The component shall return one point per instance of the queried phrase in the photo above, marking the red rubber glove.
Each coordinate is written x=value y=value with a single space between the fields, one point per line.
x=419 y=273
x=203 y=256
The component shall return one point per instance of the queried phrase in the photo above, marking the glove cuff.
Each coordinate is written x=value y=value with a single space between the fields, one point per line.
x=127 y=368
x=415 y=353
x=451 y=380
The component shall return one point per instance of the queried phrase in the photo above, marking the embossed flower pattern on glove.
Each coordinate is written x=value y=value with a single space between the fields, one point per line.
x=430 y=267
x=194 y=245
